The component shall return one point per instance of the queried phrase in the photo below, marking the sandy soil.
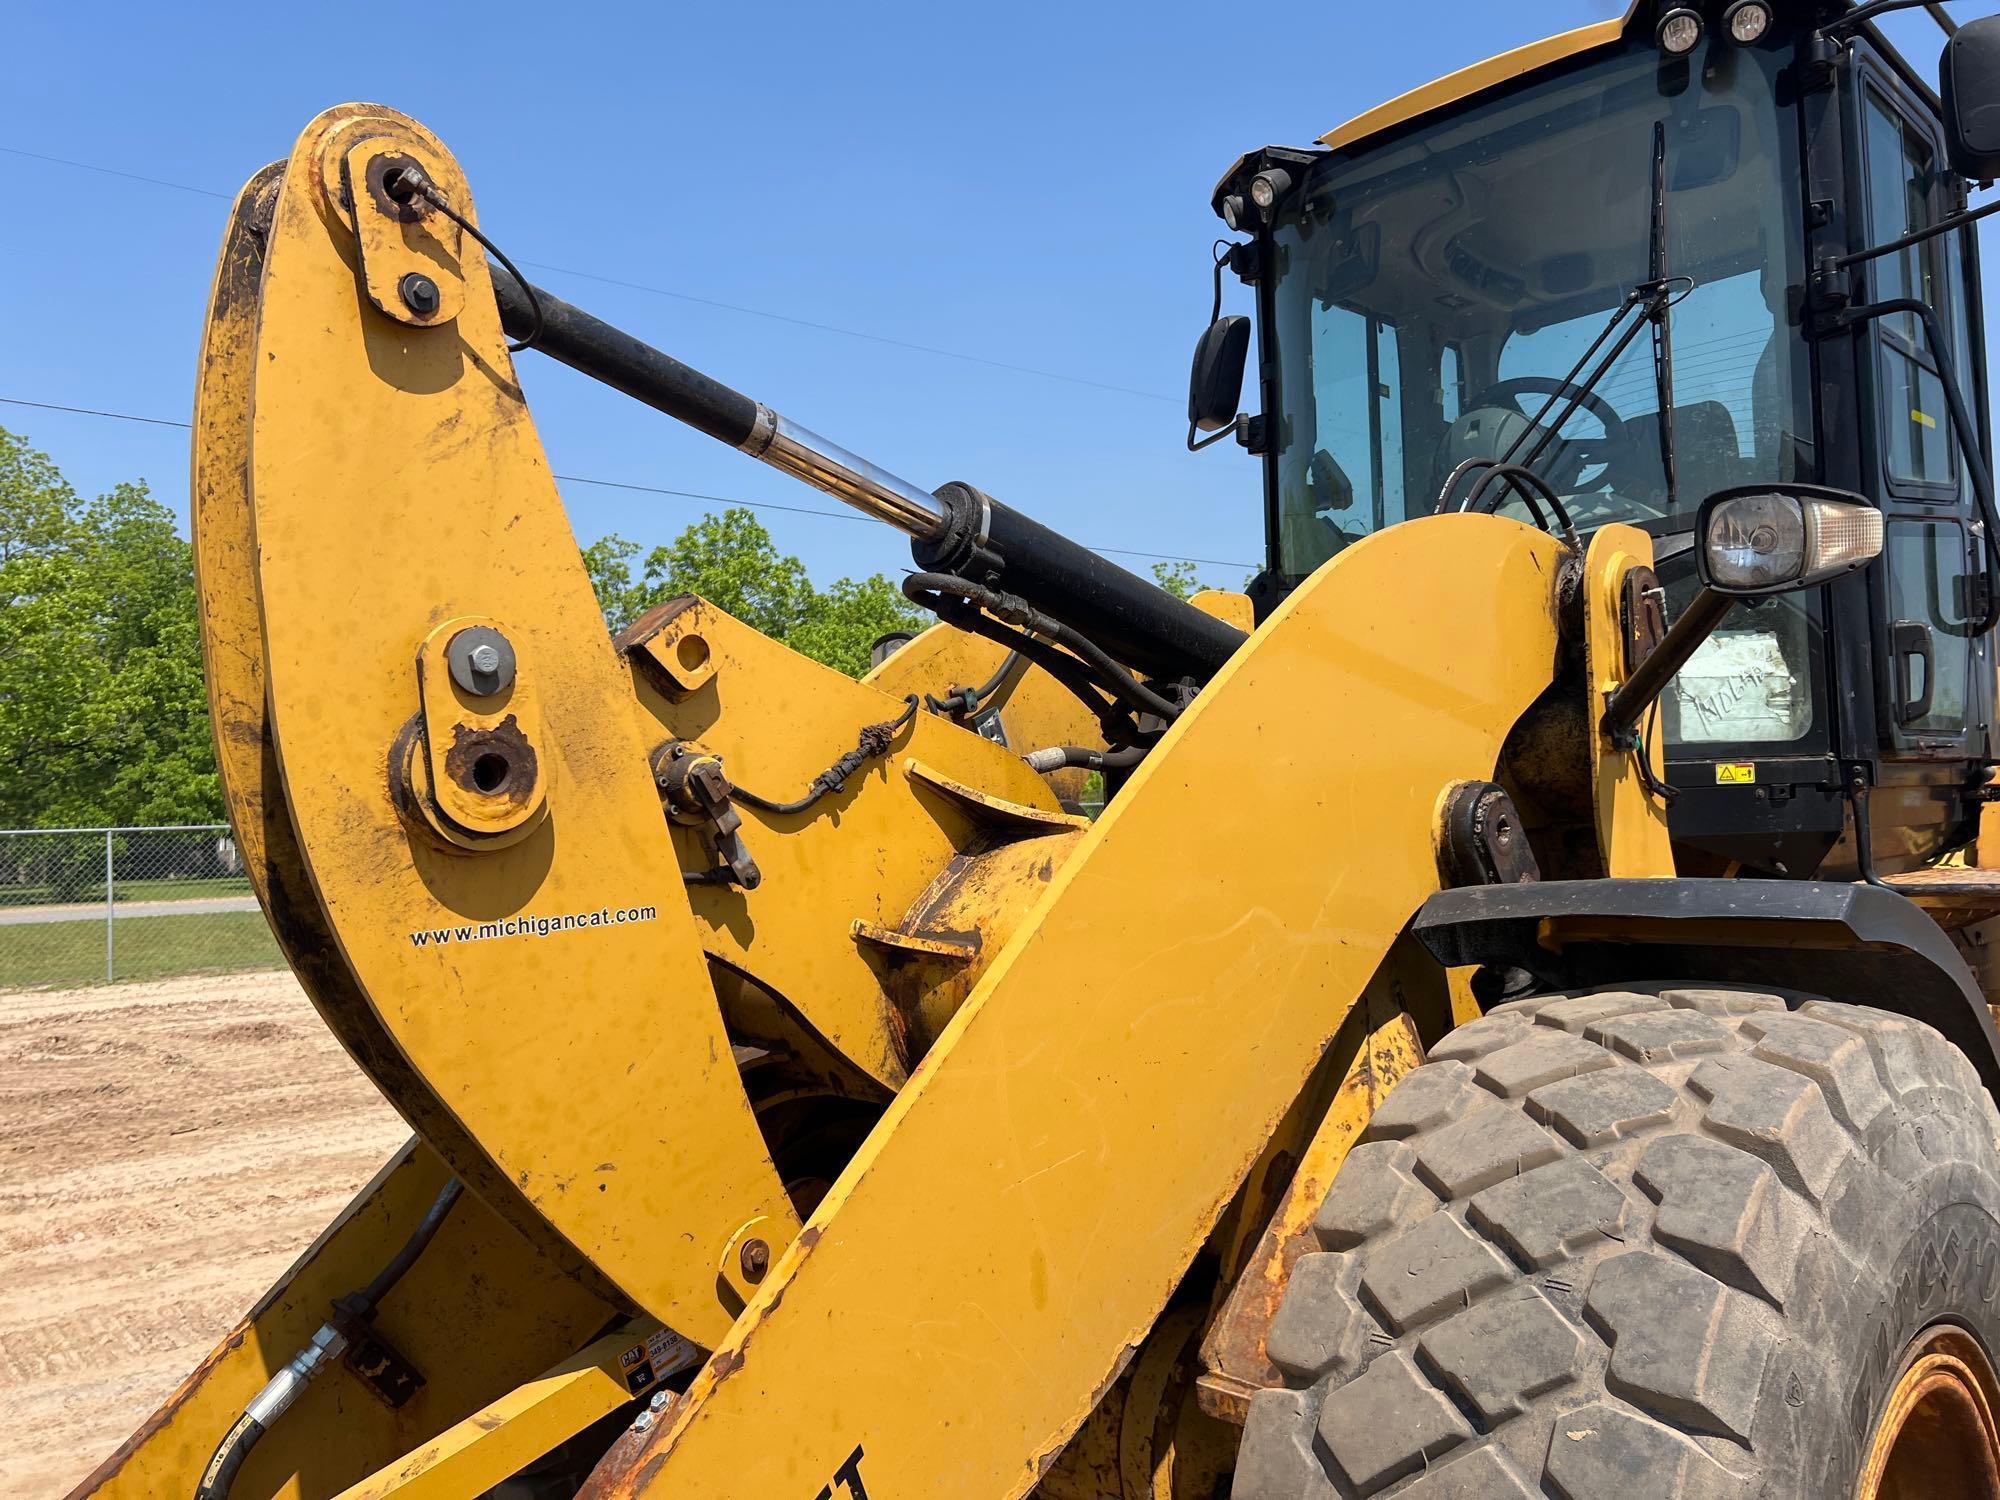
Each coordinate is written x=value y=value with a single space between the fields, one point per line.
x=166 y=1150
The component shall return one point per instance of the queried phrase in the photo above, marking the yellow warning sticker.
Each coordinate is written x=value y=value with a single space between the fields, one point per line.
x=1924 y=418
x=1735 y=773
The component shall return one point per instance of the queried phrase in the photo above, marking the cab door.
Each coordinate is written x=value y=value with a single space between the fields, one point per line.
x=1930 y=587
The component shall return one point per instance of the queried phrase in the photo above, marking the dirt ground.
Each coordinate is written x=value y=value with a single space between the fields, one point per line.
x=166 y=1150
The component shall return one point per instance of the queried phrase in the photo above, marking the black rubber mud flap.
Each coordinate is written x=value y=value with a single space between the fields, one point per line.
x=1854 y=943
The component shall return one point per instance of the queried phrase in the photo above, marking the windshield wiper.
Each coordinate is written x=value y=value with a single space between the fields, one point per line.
x=1662 y=314
x=1652 y=300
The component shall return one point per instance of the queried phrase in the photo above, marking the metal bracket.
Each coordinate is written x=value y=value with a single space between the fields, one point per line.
x=697 y=794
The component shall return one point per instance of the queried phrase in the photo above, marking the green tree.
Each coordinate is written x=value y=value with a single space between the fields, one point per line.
x=103 y=717
x=731 y=561
x=1177 y=578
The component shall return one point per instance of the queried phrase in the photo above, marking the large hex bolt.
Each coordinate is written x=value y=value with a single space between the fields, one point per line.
x=481 y=661
x=420 y=294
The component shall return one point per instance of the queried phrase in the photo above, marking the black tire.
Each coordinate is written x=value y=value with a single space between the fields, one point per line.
x=1654 y=1241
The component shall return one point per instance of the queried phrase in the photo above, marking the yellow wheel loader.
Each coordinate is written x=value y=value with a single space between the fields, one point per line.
x=1516 y=1029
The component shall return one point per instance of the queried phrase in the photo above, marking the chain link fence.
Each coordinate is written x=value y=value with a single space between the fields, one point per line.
x=98 y=905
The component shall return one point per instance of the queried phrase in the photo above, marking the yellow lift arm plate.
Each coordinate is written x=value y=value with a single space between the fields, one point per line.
x=551 y=989
x=1012 y=1229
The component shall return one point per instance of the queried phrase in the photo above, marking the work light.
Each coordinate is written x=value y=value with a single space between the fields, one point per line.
x=1678 y=31
x=1268 y=186
x=1747 y=20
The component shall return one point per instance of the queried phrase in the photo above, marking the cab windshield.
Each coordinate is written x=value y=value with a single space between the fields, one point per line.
x=1433 y=291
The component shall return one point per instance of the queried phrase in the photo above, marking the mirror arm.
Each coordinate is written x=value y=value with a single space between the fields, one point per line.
x=1945 y=225
x=1630 y=700
x=1961 y=424
x=1232 y=428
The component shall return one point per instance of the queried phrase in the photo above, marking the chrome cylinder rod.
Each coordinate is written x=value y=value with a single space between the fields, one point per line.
x=828 y=467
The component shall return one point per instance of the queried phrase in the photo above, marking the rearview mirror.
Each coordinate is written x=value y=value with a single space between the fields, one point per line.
x=1771 y=539
x=1215 y=384
x=1969 y=85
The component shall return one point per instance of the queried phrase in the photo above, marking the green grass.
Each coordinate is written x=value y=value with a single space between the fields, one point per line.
x=72 y=953
x=125 y=890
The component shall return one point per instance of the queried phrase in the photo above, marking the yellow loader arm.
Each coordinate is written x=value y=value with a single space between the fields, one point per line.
x=901 y=1107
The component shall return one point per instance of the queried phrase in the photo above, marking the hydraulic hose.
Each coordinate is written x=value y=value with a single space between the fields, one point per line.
x=265 y=1408
x=1079 y=757
x=327 y=1346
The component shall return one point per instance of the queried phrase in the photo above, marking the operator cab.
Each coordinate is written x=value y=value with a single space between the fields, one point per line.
x=1434 y=287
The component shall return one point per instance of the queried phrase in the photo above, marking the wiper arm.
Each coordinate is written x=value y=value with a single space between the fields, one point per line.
x=1662 y=316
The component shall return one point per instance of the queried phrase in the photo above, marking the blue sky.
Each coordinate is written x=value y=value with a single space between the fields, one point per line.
x=1025 y=183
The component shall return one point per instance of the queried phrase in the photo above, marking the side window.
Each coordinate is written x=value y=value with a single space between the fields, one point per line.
x=1930 y=631
x=1357 y=390
x=1903 y=196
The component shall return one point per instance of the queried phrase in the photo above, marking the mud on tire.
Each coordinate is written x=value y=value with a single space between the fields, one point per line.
x=1657 y=1241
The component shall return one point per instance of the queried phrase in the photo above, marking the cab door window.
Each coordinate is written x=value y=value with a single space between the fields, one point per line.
x=1905 y=195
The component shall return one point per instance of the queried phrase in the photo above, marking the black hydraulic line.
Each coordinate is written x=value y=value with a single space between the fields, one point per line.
x=1115 y=720
x=371 y=1295
x=1856 y=790
x=874 y=741
x=1527 y=483
x=228 y=1459
x=1081 y=757
x=1455 y=478
x=1961 y=422
x=407 y=182
x=967 y=700
x=1018 y=612
x=327 y=1345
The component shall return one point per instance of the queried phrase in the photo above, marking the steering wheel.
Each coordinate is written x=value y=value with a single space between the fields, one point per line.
x=1616 y=454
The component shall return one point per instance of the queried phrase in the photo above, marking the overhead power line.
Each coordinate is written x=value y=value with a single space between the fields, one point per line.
x=619 y=484
x=661 y=291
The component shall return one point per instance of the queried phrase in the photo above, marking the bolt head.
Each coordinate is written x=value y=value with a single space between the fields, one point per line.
x=755 y=1258
x=420 y=294
x=641 y=1422
x=485 y=659
x=659 y=1401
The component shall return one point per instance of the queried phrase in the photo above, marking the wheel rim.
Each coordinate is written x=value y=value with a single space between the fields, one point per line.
x=1939 y=1431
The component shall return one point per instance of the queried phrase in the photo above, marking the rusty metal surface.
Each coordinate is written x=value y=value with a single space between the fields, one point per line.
x=1378 y=1044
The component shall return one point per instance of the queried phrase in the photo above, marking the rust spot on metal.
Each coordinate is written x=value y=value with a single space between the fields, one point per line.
x=497 y=762
x=726 y=1364
x=652 y=622
x=379 y=166
x=106 y=1471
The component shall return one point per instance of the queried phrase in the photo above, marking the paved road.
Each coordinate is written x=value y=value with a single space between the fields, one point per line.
x=88 y=911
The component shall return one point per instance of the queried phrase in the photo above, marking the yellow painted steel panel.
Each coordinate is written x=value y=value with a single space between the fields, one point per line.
x=1631 y=822
x=1014 y=1226
x=552 y=993
x=1466 y=82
